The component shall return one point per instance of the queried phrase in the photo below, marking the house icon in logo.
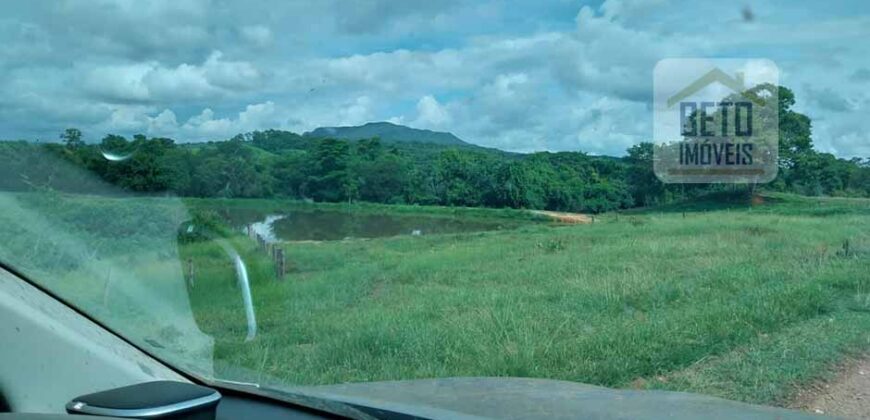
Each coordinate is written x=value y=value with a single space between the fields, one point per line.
x=735 y=83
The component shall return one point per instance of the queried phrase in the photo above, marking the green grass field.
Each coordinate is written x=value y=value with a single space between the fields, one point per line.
x=714 y=296
x=748 y=303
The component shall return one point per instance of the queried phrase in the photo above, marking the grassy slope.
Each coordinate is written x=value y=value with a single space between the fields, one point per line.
x=743 y=303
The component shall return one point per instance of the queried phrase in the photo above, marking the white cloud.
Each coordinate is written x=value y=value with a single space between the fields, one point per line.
x=152 y=82
x=174 y=83
x=231 y=75
x=629 y=9
x=125 y=119
x=164 y=124
x=523 y=75
x=259 y=35
x=258 y=115
x=119 y=82
x=431 y=114
x=206 y=126
x=355 y=112
x=254 y=117
x=130 y=119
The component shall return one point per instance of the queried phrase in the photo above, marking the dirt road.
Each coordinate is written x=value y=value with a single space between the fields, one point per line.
x=565 y=217
x=848 y=395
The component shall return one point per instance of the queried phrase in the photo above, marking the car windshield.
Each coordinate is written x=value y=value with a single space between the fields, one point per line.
x=632 y=194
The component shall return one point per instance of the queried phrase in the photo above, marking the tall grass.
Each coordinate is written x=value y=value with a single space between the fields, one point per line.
x=628 y=301
x=722 y=297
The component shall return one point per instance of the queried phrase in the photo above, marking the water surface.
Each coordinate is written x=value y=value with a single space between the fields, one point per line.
x=330 y=225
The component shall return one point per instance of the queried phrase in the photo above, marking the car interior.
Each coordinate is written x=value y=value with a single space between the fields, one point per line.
x=58 y=363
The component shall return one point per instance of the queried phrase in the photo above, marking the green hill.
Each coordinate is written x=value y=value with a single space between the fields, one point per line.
x=388 y=133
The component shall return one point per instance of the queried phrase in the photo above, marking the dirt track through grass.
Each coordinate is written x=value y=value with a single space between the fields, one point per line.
x=565 y=217
x=846 y=395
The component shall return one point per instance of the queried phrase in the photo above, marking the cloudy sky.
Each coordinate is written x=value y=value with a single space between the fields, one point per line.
x=518 y=75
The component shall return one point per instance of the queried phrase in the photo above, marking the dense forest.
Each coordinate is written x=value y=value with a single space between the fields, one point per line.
x=275 y=163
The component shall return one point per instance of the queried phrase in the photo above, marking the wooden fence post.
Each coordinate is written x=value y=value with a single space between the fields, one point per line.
x=280 y=263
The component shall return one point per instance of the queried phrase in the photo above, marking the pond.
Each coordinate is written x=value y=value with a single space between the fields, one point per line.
x=330 y=225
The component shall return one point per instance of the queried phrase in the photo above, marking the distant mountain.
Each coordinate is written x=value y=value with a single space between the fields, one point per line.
x=388 y=133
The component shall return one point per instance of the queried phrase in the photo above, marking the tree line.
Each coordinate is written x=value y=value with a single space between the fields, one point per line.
x=275 y=163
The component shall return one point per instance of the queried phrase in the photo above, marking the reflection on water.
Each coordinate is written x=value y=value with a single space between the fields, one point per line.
x=265 y=228
x=328 y=225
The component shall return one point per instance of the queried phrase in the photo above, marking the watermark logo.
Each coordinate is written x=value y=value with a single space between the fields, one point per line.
x=716 y=120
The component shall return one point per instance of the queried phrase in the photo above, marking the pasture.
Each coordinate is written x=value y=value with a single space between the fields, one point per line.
x=740 y=301
x=744 y=300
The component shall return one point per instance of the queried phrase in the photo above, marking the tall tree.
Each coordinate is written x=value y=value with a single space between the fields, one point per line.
x=72 y=138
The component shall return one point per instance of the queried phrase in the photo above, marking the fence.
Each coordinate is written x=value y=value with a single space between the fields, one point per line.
x=273 y=250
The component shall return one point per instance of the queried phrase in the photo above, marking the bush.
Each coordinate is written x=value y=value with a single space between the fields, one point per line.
x=204 y=225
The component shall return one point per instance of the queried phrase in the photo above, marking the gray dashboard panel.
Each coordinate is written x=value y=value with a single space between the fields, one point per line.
x=50 y=354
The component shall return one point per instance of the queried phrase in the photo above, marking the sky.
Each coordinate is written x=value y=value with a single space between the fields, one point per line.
x=519 y=75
